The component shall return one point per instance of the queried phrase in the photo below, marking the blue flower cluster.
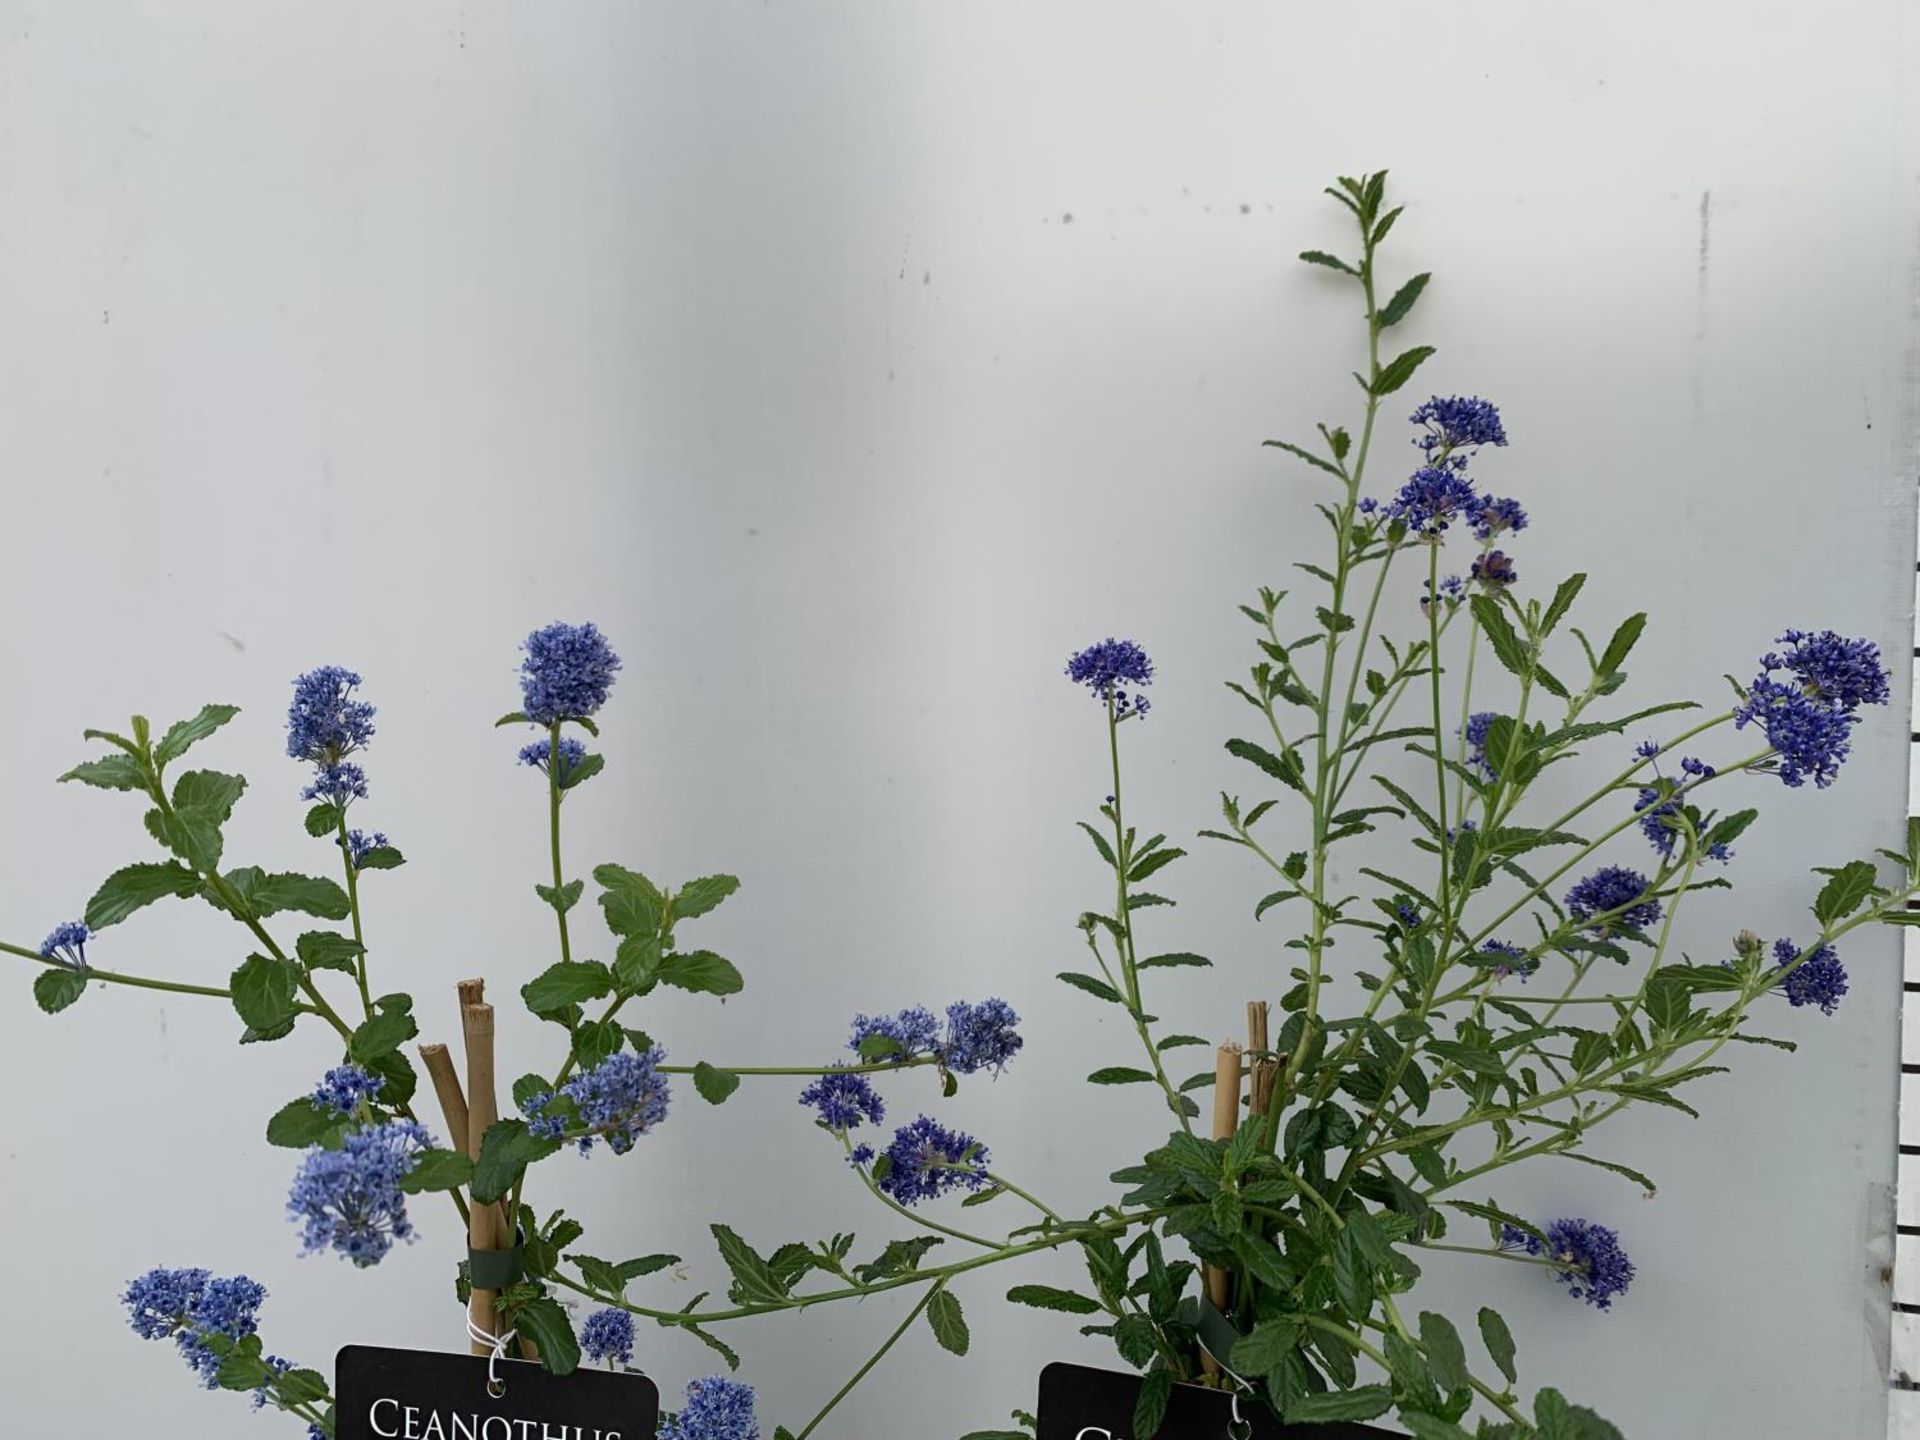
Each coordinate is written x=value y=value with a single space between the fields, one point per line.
x=844 y=1098
x=1493 y=571
x=618 y=1100
x=926 y=1160
x=1452 y=591
x=1458 y=422
x=1660 y=809
x=572 y=752
x=68 y=945
x=1820 y=979
x=325 y=724
x=1613 y=887
x=1518 y=961
x=1105 y=669
x=359 y=842
x=1475 y=733
x=567 y=673
x=1808 y=716
x=1498 y=515
x=345 y=1088
x=1433 y=499
x=1591 y=1263
x=191 y=1306
x=976 y=1037
x=350 y=1199
x=716 y=1409
x=607 y=1335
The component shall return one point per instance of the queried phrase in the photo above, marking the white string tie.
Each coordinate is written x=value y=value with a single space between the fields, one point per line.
x=496 y=1387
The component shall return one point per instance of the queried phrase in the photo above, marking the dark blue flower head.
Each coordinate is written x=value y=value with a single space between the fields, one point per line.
x=844 y=1099
x=337 y=785
x=608 y=1335
x=1647 y=749
x=914 y=1032
x=191 y=1306
x=567 y=673
x=1479 y=725
x=68 y=945
x=1845 y=673
x=1433 y=499
x=359 y=842
x=1588 y=1257
x=350 y=1199
x=980 y=1037
x=572 y=752
x=926 y=1160
x=1107 y=668
x=1820 y=979
x=1498 y=515
x=1493 y=570
x=1809 y=715
x=1458 y=422
x=717 y=1409
x=1516 y=961
x=345 y=1088
x=325 y=724
x=1613 y=888
x=618 y=1100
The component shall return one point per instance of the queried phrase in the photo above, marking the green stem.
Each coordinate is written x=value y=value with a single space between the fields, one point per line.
x=553 y=829
x=873 y=1360
x=353 y=906
x=862 y=1069
x=115 y=978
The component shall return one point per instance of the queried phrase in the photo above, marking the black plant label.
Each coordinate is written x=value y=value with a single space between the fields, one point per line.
x=424 y=1395
x=1078 y=1402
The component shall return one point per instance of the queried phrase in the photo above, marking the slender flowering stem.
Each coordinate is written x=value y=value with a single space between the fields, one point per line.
x=553 y=831
x=111 y=977
x=353 y=907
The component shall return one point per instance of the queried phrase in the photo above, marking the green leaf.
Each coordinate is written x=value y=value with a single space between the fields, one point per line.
x=1508 y=647
x=1119 y=1075
x=1287 y=771
x=183 y=733
x=1562 y=602
x=1150 y=1409
x=1306 y=455
x=323 y=819
x=544 y=1323
x=1845 y=891
x=263 y=993
x=1047 y=1297
x=594 y=1041
x=564 y=983
x=1399 y=370
x=325 y=950
x=1269 y=1344
x=1098 y=988
x=1621 y=645
x=701 y=971
x=1446 y=1356
x=1431 y=1427
x=202 y=801
x=136 y=886
x=754 y=1280
x=505 y=1152
x=1332 y=262
x=633 y=903
x=54 y=990
x=949 y=1324
x=1499 y=1342
x=380 y=857
x=398 y=1073
x=714 y=1085
x=563 y=898
x=264 y=894
x=636 y=964
x=1176 y=958
x=512 y=717
x=384 y=1032
x=1363 y=1402
x=114 y=772
x=437 y=1170
x=300 y=1123
x=697 y=897
x=1395 y=310
x=582 y=771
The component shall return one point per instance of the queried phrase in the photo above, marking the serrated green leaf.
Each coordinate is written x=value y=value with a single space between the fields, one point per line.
x=263 y=993
x=697 y=897
x=632 y=903
x=54 y=990
x=1397 y=371
x=505 y=1152
x=136 y=886
x=437 y=1170
x=703 y=972
x=1499 y=1342
x=564 y=983
x=544 y=1323
x=1846 y=891
x=1048 y=1297
x=948 y=1323
x=714 y=1085
x=1395 y=310
x=1362 y=1402
x=326 y=950
x=754 y=1280
x=1446 y=1356
x=300 y=1123
x=113 y=772
x=184 y=733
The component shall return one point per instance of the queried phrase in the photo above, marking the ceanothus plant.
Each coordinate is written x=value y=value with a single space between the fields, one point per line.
x=364 y=1152
x=1495 y=996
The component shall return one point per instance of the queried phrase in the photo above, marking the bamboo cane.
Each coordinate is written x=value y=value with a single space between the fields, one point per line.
x=1226 y=1119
